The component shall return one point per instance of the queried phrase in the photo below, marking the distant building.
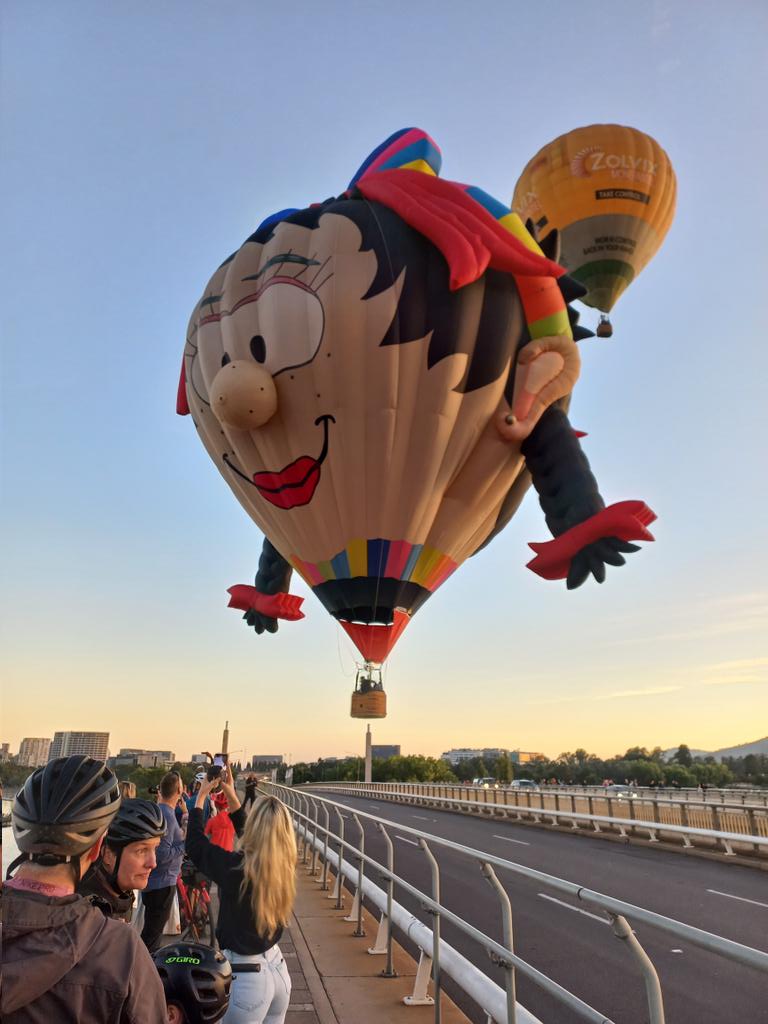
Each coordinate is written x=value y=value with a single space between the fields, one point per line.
x=261 y=761
x=488 y=754
x=33 y=751
x=385 y=750
x=83 y=744
x=132 y=757
x=525 y=756
x=199 y=759
x=5 y=751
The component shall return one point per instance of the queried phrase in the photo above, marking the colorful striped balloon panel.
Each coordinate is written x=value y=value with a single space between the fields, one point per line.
x=392 y=559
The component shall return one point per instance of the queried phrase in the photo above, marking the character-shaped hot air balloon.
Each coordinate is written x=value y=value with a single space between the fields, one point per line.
x=378 y=378
x=610 y=192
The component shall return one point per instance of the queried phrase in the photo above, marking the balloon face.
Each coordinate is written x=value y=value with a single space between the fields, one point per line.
x=610 y=191
x=367 y=417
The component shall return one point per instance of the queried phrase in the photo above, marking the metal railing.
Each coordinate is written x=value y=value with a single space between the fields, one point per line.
x=317 y=839
x=694 y=825
x=734 y=797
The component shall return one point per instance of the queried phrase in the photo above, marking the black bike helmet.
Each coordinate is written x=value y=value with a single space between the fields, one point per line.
x=196 y=978
x=63 y=809
x=136 y=820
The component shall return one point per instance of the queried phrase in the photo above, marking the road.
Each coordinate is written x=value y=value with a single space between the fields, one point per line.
x=578 y=949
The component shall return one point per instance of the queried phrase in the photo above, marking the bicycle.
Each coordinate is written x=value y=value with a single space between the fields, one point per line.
x=194 y=905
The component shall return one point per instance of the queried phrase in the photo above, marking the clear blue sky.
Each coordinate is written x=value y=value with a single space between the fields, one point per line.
x=142 y=143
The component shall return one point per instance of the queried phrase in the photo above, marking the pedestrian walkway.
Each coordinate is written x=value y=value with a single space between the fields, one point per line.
x=335 y=979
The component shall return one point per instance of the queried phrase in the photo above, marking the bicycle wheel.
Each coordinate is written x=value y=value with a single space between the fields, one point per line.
x=204 y=918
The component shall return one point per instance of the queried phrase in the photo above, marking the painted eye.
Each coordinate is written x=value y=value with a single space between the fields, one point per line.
x=225 y=359
x=258 y=348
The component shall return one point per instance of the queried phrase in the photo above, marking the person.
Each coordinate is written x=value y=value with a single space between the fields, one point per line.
x=127 y=856
x=196 y=980
x=161 y=887
x=250 y=791
x=63 y=960
x=257 y=885
x=219 y=827
x=190 y=799
x=128 y=790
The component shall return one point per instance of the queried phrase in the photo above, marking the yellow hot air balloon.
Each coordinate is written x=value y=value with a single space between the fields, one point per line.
x=610 y=191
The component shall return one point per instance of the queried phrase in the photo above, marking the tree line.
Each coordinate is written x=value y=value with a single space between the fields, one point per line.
x=637 y=764
x=646 y=768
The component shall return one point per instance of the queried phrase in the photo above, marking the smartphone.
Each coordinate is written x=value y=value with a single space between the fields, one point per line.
x=221 y=760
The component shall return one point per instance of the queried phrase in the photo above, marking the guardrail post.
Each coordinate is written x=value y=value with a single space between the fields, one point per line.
x=338 y=889
x=506 y=923
x=420 y=995
x=313 y=863
x=383 y=943
x=752 y=827
x=305 y=811
x=435 y=927
x=623 y=931
x=324 y=882
x=356 y=911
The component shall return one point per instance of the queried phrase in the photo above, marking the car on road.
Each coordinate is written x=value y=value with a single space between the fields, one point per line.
x=487 y=782
x=523 y=784
x=621 y=792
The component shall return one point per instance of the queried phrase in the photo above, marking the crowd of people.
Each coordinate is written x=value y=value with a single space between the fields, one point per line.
x=87 y=845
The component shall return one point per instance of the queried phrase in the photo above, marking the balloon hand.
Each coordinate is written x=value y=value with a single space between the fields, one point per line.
x=589 y=546
x=263 y=610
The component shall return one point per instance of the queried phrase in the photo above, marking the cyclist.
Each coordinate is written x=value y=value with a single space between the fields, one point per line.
x=219 y=827
x=127 y=856
x=62 y=959
x=196 y=980
x=257 y=885
x=160 y=890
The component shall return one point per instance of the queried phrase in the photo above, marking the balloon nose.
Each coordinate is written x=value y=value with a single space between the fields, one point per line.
x=243 y=395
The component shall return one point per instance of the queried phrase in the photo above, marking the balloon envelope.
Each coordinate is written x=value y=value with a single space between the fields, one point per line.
x=346 y=379
x=610 y=191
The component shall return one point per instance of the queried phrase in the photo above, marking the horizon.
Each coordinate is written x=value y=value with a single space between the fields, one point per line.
x=141 y=149
x=486 y=746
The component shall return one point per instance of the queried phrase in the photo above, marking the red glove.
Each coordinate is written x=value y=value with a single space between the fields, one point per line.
x=274 y=606
x=626 y=520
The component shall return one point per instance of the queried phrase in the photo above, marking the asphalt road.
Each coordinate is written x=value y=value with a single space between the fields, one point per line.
x=576 y=949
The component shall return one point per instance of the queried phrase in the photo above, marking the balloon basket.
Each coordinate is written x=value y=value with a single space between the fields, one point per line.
x=368 y=697
x=604 y=328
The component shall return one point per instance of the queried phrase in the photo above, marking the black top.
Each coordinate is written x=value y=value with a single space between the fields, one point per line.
x=235 y=928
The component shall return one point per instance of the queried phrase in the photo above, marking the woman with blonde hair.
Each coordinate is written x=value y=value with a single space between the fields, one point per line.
x=127 y=790
x=257 y=886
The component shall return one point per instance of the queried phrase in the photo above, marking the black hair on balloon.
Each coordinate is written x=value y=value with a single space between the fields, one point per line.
x=485 y=319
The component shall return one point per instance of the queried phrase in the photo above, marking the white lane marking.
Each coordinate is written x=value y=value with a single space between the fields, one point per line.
x=422 y=818
x=404 y=840
x=743 y=899
x=577 y=910
x=508 y=840
x=676 y=951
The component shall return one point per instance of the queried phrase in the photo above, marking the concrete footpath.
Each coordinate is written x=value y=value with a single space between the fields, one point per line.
x=335 y=979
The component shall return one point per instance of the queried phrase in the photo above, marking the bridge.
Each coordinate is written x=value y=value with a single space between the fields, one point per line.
x=449 y=903
x=514 y=921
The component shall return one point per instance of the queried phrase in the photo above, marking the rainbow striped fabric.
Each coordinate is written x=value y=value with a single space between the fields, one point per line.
x=412 y=149
x=392 y=559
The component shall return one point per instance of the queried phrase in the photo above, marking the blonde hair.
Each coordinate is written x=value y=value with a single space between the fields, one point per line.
x=128 y=790
x=268 y=845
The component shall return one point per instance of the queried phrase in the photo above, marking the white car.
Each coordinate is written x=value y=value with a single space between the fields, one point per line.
x=523 y=784
x=486 y=783
x=621 y=792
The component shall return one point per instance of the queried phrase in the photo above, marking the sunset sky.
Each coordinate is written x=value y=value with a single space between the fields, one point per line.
x=142 y=144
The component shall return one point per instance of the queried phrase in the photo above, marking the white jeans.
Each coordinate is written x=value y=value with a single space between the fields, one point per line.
x=258 y=997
